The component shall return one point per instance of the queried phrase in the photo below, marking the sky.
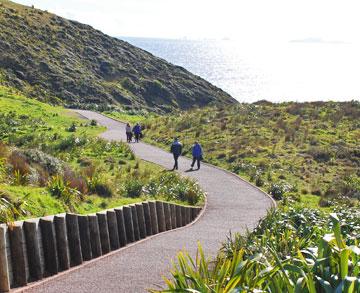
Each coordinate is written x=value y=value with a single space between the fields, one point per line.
x=245 y=20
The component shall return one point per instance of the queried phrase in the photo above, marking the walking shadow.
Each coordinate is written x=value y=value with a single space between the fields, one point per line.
x=191 y=170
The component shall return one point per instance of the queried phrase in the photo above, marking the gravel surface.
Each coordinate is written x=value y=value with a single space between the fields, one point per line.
x=233 y=204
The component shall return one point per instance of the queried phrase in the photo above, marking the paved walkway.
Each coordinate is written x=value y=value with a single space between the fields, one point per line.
x=232 y=205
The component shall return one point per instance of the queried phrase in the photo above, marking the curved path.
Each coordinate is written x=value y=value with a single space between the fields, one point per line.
x=233 y=204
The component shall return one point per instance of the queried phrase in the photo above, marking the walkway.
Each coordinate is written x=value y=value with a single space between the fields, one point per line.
x=232 y=205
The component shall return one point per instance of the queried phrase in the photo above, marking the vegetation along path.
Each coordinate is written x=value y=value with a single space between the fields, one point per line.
x=232 y=204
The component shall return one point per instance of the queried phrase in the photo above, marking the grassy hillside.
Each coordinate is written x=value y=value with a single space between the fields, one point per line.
x=308 y=151
x=51 y=161
x=61 y=61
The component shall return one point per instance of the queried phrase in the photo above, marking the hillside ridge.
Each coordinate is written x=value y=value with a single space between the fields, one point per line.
x=64 y=61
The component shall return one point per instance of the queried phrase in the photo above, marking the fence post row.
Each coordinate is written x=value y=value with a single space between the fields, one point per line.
x=67 y=240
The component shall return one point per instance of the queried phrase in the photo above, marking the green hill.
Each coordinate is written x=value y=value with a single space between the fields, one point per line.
x=51 y=161
x=59 y=60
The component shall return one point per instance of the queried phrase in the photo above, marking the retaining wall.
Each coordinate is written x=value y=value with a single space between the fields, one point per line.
x=38 y=248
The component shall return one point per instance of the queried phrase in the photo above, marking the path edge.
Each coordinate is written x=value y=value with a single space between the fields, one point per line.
x=112 y=253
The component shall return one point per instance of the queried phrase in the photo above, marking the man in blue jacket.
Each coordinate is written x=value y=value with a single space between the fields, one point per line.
x=176 y=150
x=197 y=154
x=137 y=132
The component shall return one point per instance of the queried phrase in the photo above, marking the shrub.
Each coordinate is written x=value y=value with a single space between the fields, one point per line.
x=320 y=154
x=93 y=122
x=277 y=190
x=103 y=189
x=4 y=151
x=174 y=187
x=133 y=188
x=72 y=127
x=98 y=186
x=19 y=163
x=259 y=181
x=70 y=142
x=49 y=163
x=75 y=182
x=60 y=189
x=10 y=210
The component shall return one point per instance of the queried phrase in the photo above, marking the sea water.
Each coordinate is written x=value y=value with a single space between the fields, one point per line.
x=297 y=71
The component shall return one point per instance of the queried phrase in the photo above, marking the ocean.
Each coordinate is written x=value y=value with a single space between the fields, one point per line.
x=291 y=71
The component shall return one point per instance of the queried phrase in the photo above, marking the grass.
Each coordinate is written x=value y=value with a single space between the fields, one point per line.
x=305 y=150
x=51 y=161
x=126 y=117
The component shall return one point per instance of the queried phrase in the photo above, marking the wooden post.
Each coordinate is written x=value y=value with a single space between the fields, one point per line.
x=141 y=220
x=62 y=243
x=17 y=255
x=49 y=247
x=85 y=240
x=183 y=215
x=113 y=230
x=129 y=226
x=73 y=234
x=94 y=236
x=135 y=222
x=33 y=250
x=188 y=215
x=154 y=219
x=4 y=265
x=121 y=226
x=178 y=216
x=173 y=215
x=167 y=213
x=147 y=218
x=104 y=233
x=160 y=216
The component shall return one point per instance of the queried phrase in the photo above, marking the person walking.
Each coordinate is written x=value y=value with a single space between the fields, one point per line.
x=176 y=150
x=137 y=132
x=197 y=154
x=128 y=132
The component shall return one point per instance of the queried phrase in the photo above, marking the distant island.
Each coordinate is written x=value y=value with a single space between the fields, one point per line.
x=314 y=40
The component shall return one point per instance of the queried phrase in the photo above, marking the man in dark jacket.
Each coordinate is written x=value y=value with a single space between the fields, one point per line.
x=137 y=132
x=176 y=150
x=197 y=154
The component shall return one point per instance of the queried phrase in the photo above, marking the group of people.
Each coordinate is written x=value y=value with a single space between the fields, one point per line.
x=176 y=146
x=176 y=150
x=136 y=131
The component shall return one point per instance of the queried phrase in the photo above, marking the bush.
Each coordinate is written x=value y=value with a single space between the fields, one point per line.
x=103 y=189
x=133 y=188
x=75 y=182
x=98 y=186
x=60 y=189
x=4 y=151
x=72 y=127
x=49 y=163
x=320 y=154
x=70 y=142
x=259 y=181
x=174 y=187
x=278 y=190
x=11 y=210
x=19 y=163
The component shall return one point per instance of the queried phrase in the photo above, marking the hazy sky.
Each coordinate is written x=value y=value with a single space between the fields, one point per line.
x=249 y=20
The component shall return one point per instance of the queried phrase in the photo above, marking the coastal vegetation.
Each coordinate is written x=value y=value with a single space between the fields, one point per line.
x=291 y=250
x=51 y=161
x=307 y=156
x=303 y=152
